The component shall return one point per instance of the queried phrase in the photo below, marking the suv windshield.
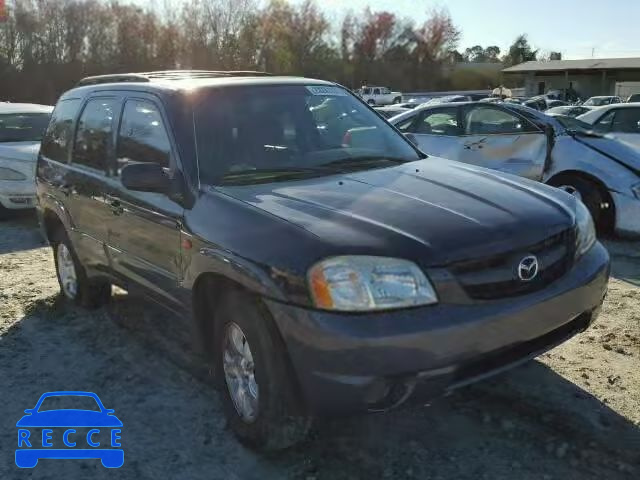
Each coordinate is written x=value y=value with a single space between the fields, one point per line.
x=23 y=127
x=265 y=133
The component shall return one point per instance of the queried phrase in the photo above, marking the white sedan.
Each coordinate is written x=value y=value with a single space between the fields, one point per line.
x=621 y=120
x=21 y=128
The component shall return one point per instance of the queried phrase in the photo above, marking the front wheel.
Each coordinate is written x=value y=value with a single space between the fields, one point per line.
x=75 y=286
x=371 y=102
x=258 y=388
x=593 y=198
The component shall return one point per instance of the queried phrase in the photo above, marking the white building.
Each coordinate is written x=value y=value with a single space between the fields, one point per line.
x=587 y=77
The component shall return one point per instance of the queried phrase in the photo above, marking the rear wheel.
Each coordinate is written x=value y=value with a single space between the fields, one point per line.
x=397 y=100
x=371 y=102
x=258 y=389
x=74 y=284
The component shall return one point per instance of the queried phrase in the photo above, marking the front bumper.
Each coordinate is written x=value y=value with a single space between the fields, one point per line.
x=15 y=195
x=627 y=215
x=358 y=362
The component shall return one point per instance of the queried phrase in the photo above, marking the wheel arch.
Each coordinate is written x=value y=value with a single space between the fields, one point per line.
x=207 y=291
x=52 y=215
x=610 y=213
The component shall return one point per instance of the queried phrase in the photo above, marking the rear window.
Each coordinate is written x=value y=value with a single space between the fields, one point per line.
x=57 y=140
x=23 y=127
x=285 y=127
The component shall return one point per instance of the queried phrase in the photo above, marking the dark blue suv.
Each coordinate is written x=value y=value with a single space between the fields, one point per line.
x=327 y=265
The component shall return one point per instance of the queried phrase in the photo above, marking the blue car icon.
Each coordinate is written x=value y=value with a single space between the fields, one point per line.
x=92 y=415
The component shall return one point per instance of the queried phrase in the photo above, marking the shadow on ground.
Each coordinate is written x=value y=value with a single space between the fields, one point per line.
x=20 y=232
x=625 y=260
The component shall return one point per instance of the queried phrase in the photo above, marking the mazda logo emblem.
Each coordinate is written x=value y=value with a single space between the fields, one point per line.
x=528 y=268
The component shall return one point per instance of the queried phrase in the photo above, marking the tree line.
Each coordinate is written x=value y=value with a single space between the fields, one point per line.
x=46 y=46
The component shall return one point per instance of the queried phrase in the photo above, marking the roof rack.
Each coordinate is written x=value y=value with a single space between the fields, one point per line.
x=167 y=75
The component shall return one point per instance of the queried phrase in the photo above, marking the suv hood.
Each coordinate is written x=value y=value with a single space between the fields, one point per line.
x=433 y=211
x=27 y=151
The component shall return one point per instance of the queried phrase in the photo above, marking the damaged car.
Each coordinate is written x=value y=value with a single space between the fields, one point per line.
x=563 y=152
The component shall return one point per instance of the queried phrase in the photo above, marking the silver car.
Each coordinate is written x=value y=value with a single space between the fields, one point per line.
x=603 y=172
x=621 y=120
x=21 y=128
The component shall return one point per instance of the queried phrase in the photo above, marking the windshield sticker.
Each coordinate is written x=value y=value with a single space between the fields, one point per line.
x=326 y=91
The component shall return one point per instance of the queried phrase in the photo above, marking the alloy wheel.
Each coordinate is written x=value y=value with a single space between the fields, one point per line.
x=239 y=373
x=67 y=271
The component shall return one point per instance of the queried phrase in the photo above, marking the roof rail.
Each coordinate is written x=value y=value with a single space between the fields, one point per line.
x=118 y=77
x=167 y=75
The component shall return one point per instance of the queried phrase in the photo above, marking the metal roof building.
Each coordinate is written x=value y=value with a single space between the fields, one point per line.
x=589 y=77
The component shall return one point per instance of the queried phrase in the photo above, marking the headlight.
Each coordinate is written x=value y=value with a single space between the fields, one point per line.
x=636 y=190
x=11 y=174
x=361 y=283
x=585 y=229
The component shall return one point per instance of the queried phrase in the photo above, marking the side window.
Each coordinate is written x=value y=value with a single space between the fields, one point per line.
x=605 y=123
x=386 y=91
x=93 y=135
x=626 y=120
x=57 y=138
x=376 y=91
x=438 y=122
x=366 y=91
x=493 y=121
x=405 y=125
x=142 y=136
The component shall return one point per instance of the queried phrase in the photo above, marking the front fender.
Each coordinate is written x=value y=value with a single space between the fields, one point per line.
x=570 y=155
x=211 y=260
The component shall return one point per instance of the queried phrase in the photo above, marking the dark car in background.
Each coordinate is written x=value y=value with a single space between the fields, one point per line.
x=326 y=265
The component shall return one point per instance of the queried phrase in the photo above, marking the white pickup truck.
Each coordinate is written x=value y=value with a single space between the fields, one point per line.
x=379 y=95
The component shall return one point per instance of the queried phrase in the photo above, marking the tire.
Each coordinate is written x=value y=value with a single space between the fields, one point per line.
x=279 y=419
x=371 y=102
x=397 y=100
x=589 y=193
x=89 y=293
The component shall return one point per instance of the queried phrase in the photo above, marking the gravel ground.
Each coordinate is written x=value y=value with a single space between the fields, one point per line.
x=574 y=413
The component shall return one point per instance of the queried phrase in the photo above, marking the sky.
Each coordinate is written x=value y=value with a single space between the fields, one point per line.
x=577 y=28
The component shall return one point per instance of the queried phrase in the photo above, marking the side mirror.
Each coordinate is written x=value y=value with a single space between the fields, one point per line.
x=412 y=138
x=145 y=177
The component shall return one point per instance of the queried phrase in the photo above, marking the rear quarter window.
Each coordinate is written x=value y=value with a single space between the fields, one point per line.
x=57 y=138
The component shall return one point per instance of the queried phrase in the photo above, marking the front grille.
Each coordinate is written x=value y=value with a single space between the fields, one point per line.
x=497 y=277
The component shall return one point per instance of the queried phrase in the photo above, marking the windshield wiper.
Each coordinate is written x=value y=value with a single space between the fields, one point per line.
x=363 y=162
x=256 y=175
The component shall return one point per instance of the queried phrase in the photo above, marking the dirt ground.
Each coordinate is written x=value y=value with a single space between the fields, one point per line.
x=574 y=413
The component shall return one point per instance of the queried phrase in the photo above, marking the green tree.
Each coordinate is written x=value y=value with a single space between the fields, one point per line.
x=520 y=51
